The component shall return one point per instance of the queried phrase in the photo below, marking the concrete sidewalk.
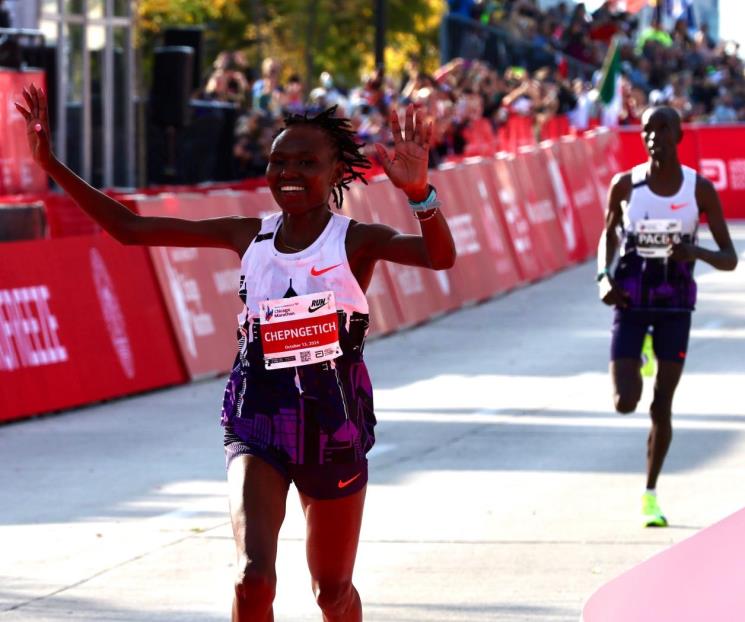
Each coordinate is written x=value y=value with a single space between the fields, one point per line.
x=503 y=487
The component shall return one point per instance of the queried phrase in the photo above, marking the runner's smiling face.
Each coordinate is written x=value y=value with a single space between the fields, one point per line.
x=302 y=169
x=661 y=133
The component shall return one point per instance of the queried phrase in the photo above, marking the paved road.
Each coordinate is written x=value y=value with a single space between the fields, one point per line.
x=503 y=488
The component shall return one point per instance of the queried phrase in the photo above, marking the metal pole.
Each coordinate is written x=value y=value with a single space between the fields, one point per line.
x=107 y=97
x=380 y=24
x=87 y=146
x=63 y=63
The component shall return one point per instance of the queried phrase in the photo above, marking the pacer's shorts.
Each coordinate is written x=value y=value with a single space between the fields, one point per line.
x=670 y=333
x=314 y=424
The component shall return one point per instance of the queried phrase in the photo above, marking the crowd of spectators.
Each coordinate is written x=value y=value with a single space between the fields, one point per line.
x=468 y=98
x=681 y=65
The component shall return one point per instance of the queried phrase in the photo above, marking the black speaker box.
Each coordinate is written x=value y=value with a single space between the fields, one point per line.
x=190 y=37
x=172 y=85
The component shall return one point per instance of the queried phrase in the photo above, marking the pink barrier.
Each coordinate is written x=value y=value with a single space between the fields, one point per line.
x=199 y=285
x=504 y=188
x=541 y=210
x=421 y=294
x=588 y=205
x=474 y=276
x=473 y=179
x=696 y=580
x=81 y=320
x=385 y=313
x=569 y=218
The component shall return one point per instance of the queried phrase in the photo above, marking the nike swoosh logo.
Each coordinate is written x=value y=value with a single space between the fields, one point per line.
x=344 y=484
x=314 y=306
x=314 y=272
x=677 y=206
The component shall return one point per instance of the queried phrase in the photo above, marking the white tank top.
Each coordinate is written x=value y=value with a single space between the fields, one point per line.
x=268 y=274
x=646 y=205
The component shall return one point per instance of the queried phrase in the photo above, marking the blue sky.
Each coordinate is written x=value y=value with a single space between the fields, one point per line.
x=731 y=19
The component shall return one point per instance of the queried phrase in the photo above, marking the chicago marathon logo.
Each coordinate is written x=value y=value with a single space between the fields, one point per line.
x=112 y=313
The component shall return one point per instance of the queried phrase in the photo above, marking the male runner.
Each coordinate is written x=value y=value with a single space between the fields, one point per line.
x=657 y=207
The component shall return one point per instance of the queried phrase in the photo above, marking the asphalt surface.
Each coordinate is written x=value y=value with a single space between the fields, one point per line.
x=502 y=488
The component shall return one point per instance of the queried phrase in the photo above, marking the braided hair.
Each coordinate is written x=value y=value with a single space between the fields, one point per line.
x=344 y=140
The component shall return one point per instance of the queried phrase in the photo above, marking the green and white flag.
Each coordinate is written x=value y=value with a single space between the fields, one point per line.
x=610 y=85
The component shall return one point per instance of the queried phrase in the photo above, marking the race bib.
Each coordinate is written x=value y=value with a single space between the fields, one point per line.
x=299 y=331
x=655 y=238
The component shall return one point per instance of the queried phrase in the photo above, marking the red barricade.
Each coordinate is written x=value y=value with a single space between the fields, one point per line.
x=556 y=127
x=631 y=148
x=603 y=165
x=575 y=167
x=516 y=133
x=385 y=313
x=18 y=172
x=477 y=176
x=576 y=245
x=200 y=286
x=541 y=210
x=503 y=187
x=81 y=320
x=480 y=138
x=484 y=266
x=421 y=293
x=722 y=160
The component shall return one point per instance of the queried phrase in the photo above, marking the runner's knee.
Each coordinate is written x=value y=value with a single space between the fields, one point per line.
x=661 y=412
x=334 y=597
x=256 y=585
x=625 y=404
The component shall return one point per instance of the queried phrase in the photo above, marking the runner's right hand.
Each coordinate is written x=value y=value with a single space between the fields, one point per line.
x=37 y=125
x=611 y=294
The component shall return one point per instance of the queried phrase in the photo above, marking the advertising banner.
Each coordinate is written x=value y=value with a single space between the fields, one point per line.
x=18 y=172
x=81 y=320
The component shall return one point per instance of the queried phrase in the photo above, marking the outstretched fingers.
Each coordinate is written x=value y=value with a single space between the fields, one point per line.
x=385 y=159
x=25 y=113
x=395 y=127
x=29 y=100
x=409 y=123
x=43 y=109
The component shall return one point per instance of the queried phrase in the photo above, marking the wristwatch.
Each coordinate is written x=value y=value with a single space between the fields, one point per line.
x=601 y=275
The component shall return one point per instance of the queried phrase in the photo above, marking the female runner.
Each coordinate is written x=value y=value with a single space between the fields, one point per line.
x=293 y=411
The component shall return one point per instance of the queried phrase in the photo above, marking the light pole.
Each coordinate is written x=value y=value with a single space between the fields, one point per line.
x=380 y=19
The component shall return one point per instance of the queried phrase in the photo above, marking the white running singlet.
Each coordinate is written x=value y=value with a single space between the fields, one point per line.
x=646 y=205
x=268 y=274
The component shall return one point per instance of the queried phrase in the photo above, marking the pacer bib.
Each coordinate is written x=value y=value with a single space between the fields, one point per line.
x=299 y=331
x=655 y=237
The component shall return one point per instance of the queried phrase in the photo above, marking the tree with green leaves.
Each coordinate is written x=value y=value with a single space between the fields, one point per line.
x=307 y=36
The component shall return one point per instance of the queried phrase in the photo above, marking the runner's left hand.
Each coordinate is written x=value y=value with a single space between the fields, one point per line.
x=683 y=252
x=408 y=168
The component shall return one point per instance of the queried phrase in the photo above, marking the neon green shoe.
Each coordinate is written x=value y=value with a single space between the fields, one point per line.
x=651 y=512
x=649 y=362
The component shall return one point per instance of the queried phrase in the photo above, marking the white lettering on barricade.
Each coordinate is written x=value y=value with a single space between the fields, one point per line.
x=299 y=331
x=655 y=237
x=28 y=329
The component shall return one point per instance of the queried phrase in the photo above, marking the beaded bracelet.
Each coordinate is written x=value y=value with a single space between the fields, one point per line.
x=428 y=216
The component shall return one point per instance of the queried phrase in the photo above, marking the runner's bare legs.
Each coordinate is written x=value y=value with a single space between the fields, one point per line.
x=258 y=495
x=333 y=532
